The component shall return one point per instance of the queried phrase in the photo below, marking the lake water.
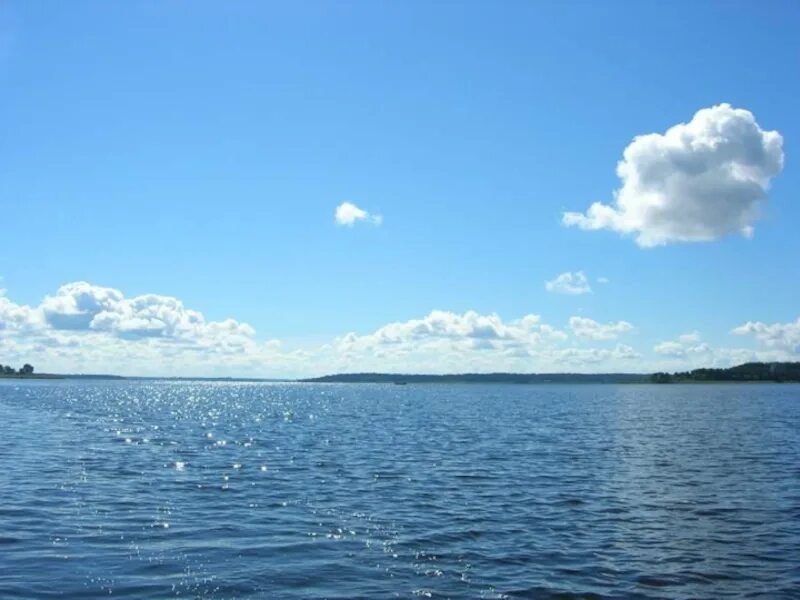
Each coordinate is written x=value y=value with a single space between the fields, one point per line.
x=222 y=490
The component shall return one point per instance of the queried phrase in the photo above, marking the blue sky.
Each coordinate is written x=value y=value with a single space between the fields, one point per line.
x=198 y=151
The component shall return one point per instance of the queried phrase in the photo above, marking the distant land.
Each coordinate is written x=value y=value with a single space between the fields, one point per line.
x=748 y=372
x=776 y=372
x=27 y=371
x=482 y=378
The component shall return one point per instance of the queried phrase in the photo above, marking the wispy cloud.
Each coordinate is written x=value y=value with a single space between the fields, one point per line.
x=569 y=283
x=590 y=329
x=686 y=345
x=782 y=336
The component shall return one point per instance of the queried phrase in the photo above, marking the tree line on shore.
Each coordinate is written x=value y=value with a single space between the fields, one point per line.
x=753 y=371
x=747 y=372
x=9 y=371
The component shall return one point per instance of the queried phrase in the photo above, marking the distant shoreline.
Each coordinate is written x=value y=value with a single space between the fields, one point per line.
x=101 y=377
x=745 y=373
x=755 y=372
x=34 y=376
x=508 y=378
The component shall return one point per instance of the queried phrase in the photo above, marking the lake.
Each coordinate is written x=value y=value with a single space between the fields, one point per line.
x=235 y=490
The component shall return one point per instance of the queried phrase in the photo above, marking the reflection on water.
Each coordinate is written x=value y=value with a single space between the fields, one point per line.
x=155 y=489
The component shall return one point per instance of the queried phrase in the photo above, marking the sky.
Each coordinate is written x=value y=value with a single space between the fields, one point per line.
x=282 y=189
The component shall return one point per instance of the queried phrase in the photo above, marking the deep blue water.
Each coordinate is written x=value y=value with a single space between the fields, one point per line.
x=156 y=490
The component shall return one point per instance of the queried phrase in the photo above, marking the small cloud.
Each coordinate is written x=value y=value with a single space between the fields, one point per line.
x=603 y=280
x=586 y=328
x=349 y=214
x=698 y=181
x=569 y=283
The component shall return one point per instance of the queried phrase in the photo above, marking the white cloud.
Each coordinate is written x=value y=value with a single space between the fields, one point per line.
x=696 y=182
x=689 y=338
x=583 y=356
x=445 y=324
x=445 y=341
x=670 y=349
x=689 y=351
x=686 y=346
x=603 y=280
x=349 y=214
x=443 y=329
x=17 y=317
x=75 y=305
x=780 y=336
x=81 y=306
x=569 y=283
x=89 y=328
x=587 y=328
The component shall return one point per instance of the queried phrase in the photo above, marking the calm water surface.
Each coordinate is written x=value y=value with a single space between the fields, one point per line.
x=155 y=490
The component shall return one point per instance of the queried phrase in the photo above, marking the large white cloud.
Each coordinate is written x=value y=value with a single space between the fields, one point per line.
x=780 y=336
x=569 y=283
x=470 y=330
x=584 y=327
x=349 y=214
x=76 y=304
x=698 y=181
x=81 y=306
x=90 y=328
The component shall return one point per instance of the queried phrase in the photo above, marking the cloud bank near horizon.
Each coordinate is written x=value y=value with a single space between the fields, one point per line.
x=84 y=327
x=698 y=181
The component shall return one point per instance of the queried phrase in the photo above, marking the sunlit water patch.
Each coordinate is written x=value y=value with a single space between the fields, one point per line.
x=220 y=490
